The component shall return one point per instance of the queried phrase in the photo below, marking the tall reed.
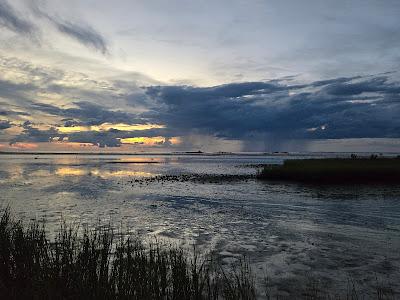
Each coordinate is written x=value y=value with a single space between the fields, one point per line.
x=100 y=264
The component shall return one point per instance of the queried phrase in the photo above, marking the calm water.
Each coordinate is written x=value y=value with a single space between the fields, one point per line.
x=294 y=232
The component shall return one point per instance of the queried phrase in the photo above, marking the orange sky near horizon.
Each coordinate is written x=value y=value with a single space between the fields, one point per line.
x=127 y=145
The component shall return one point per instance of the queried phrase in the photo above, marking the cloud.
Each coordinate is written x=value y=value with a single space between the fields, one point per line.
x=107 y=138
x=253 y=112
x=226 y=111
x=5 y=124
x=357 y=107
x=10 y=19
x=15 y=92
x=13 y=113
x=83 y=33
x=88 y=114
x=34 y=135
x=101 y=139
x=378 y=84
x=23 y=83
x=65 y=91
x=113 y=137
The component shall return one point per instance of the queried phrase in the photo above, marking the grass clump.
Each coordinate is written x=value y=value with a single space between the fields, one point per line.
x=335 y=170
x=100 y=264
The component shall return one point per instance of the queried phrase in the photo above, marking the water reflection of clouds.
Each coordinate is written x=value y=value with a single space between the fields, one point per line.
x=12 y=173
x=84 y=186
x=66 y=171
x=4 y=175
x=69 y=171
x=31 y=171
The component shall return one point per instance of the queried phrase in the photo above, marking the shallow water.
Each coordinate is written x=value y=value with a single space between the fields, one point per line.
x=294 y=232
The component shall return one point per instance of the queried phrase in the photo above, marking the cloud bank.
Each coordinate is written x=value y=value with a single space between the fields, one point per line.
x=341 y=108
x=358 y=107
x=40 y=104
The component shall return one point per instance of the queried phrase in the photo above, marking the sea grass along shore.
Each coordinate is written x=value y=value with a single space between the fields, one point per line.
x=100 y=263
x=82 y=263
x=335 y=170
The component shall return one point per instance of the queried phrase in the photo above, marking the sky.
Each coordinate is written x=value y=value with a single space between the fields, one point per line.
x=183 y=75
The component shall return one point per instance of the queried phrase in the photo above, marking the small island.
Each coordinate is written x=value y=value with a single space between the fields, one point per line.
x=335 y=170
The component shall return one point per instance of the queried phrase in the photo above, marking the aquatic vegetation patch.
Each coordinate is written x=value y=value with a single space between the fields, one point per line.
x=335 y=170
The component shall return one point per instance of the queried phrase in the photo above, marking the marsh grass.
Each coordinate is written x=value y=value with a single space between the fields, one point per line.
x=335 y=170
x=102 y=264
x=82 y=263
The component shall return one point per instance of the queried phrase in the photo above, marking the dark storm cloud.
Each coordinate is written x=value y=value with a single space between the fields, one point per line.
x=223 y=110
x=338 y=108
x=340 y=80
x=378 y=84
x=175 y=95
x=5 y=124
x=10 y=19
x=88 y=114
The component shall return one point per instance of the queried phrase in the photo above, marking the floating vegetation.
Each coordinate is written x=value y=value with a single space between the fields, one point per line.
x=199 y=178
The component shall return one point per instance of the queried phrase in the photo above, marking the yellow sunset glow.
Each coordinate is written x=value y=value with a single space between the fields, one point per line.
x=144 y=140
x=72 y=129
x=108 y=126
x=151 y=141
